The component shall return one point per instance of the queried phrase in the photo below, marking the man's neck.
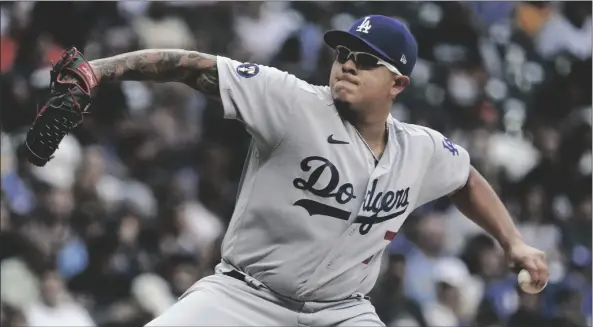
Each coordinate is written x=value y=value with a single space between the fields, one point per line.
x=370 y=124
x=373 y=132
x=371 y=127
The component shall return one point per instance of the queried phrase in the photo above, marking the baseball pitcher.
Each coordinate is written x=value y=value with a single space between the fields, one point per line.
x=329 y=180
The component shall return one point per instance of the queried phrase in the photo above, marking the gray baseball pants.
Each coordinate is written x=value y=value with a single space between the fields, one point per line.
x=221 y=300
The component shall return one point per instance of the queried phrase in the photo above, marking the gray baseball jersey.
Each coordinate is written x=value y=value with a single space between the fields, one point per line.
x=314 y=213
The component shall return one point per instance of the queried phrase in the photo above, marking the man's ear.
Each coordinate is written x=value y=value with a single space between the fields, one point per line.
x=399 y=85
x=402 y=82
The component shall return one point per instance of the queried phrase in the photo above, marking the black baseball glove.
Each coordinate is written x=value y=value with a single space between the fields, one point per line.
x=72 y=84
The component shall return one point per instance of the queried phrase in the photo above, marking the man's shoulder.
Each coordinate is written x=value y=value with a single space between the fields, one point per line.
x=413 y=130
x=321 y=91
x=306 y=90
x=275 y=77
x=417 y=137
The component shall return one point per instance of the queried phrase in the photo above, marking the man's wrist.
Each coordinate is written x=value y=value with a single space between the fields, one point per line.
x=508 y=242
x=96 y=71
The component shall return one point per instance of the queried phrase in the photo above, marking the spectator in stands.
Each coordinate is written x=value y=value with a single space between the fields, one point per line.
x=57 y=307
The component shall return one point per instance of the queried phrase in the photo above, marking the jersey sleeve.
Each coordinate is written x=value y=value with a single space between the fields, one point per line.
x=447 y=170
x=258 y=96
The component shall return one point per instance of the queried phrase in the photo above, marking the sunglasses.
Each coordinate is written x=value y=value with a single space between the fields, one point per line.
x=363 y=60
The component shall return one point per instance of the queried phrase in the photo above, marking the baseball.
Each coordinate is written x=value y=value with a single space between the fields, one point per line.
x=526 y=285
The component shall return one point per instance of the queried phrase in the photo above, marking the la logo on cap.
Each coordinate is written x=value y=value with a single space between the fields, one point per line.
x=365 y=26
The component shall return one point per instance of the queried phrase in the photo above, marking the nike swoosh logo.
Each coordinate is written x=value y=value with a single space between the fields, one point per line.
x=331 y=140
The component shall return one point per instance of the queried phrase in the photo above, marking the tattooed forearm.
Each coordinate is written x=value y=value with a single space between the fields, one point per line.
x=195 y=69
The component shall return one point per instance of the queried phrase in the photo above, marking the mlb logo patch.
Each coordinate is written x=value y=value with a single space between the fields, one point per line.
x=247 y=70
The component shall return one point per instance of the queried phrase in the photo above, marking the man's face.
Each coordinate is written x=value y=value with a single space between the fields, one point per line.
x=361 y=85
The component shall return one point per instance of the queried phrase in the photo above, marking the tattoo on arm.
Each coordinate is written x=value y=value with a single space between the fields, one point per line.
x=195 y=69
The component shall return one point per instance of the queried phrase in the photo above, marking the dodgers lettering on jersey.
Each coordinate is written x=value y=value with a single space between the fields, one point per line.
x=391 y=204
x=373 y=204
x=314 y=213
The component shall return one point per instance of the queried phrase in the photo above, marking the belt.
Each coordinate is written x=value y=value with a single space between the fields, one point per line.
x=244 y=278
x=257 y=284
x=236 y=275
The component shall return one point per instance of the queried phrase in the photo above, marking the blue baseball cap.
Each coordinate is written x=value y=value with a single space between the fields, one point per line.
x=386 y=36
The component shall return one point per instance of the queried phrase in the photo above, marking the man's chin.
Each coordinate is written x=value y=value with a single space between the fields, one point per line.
x=342 y=96
x=344 y=108
x=341 y=102
x=342 y=91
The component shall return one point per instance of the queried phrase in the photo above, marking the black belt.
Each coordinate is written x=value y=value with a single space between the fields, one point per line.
x=240 y=276
x=235 y=274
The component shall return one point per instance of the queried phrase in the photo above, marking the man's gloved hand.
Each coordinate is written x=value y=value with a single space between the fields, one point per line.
x=72 y=87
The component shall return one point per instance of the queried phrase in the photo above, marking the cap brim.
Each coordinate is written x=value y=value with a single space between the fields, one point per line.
x=353 y=42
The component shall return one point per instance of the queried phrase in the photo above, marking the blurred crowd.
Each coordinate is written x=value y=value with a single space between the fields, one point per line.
x=132 y=209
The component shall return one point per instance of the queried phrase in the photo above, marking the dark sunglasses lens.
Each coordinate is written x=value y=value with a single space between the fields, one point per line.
x=342 y=54
x=365 y=60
